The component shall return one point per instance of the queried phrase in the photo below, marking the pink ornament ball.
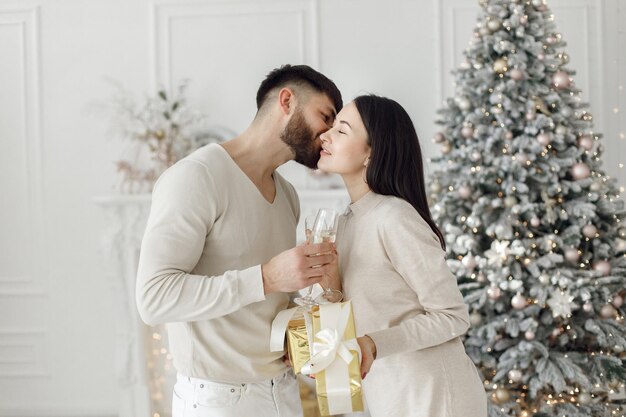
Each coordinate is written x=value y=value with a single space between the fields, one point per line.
x=607 y=311
x=516 y=74
x=535 y=222
x=469 y=262
x=603 y=267
x=494 y=292
x=580 y=171
x=544 y=139
x=467 y=132
x=561 y=80
x=585 y=142
x=519 y=301
x=572 y=255
x=590 y=231
x=588 y=307
x=529 y=335
x=618 y=301
x=465 y=191
x=439 y=137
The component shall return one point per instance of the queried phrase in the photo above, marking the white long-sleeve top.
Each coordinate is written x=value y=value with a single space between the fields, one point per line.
x=208 y=232
x=394 y=269
x=407 y=300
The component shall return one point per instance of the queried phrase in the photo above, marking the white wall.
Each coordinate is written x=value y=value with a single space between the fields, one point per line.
x=56 y=326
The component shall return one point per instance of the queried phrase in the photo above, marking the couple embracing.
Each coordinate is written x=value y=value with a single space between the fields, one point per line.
x=219 y=260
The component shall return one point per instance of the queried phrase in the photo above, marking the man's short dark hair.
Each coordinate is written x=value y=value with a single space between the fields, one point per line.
x=299 y=75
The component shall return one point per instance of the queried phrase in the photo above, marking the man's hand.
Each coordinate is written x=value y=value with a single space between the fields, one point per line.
x=298 y=268
x=368 y=353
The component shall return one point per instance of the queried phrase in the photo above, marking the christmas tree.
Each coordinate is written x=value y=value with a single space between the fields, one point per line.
x=535 y=229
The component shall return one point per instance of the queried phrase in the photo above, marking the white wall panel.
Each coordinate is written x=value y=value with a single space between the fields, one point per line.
x=22 y=354
x=20 y=159
x=228 y=48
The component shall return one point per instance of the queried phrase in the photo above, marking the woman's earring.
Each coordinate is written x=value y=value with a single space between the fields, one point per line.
x=364 y=172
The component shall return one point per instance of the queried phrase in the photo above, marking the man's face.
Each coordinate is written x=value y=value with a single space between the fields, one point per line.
x=309 y=121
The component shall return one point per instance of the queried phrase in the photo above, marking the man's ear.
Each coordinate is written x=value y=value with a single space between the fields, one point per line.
x=286 y=100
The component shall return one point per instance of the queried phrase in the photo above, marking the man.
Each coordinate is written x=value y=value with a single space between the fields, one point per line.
x=218 y=259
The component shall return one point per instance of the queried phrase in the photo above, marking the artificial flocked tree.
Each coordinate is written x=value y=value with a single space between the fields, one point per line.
x=535 y=228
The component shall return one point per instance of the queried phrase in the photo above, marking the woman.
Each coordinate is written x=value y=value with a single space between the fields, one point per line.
x=406 y=302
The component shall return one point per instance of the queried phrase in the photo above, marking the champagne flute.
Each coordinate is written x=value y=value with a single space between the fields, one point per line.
x=324 y=230
x=309 y=222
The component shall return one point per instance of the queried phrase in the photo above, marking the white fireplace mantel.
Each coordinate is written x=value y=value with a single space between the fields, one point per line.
x=125 y=221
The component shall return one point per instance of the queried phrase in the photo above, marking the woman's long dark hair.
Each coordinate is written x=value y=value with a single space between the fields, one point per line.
x=395 y=166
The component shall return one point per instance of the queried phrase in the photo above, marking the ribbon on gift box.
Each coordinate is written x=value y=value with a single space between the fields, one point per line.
x=299 y=351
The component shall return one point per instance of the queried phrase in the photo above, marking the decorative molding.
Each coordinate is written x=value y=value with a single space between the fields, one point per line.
x=22 y=353
x=26 y=21
x=163 y=14
x=125 y=221
x=446 y=11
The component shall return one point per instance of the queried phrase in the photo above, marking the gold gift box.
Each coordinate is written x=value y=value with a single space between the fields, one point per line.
x=354 y=367
x=298 y=342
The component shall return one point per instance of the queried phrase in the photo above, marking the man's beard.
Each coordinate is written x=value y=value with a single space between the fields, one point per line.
x=299 y=136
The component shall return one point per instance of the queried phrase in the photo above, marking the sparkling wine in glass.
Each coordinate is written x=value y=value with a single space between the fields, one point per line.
x=324 y=230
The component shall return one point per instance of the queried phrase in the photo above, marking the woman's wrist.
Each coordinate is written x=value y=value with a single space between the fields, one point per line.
x=372 y=344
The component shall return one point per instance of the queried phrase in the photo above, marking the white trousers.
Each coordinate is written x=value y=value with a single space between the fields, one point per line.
x=278 y=397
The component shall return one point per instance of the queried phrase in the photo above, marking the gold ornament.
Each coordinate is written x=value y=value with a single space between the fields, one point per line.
x=494 y=24
x=500 y=65
x=540 y=106
x=502 y=395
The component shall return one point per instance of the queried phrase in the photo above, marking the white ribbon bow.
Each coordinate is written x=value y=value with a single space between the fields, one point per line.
x=327 y=349
x=330 y=345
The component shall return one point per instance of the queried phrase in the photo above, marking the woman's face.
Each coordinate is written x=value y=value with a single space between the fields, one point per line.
x=344 y=147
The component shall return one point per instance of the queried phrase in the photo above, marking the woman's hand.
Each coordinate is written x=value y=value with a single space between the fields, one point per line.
x=368 y=353
x=286 y=360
